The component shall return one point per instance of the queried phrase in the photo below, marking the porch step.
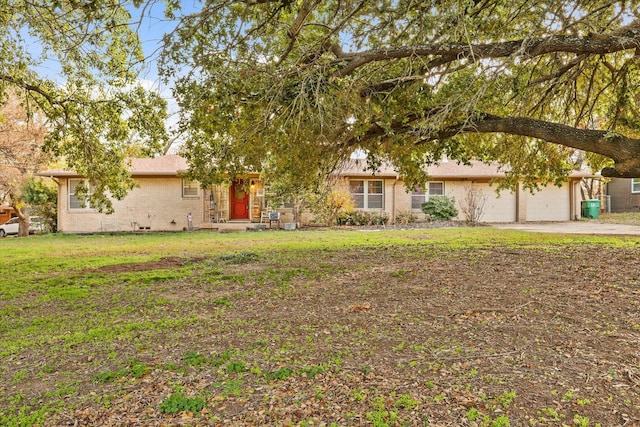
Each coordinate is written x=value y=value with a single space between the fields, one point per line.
x=230 y=226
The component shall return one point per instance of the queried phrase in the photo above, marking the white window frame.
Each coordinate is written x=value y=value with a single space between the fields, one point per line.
x=72 y=199
x=419 y=195
x=366 y=194
x=635 y=185
x=188 y=186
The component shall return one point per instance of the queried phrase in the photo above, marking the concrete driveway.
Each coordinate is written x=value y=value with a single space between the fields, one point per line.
x=574 y=227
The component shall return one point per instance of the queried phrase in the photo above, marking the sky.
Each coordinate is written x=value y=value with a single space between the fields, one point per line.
x=152 y=26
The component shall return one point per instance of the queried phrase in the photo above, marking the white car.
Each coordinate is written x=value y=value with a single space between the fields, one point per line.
x=11 y=226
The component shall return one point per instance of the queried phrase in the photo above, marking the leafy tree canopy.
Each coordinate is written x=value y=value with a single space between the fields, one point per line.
x=76 y=63
x=306 y=82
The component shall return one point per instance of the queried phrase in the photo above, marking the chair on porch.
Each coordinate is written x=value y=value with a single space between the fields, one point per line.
x=274 y=217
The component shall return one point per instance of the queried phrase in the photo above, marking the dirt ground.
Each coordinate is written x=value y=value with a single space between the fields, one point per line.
x=420 y=335
x=574 y=227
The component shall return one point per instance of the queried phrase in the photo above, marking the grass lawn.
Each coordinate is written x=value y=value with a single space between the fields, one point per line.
x=457 y=326
x=630 y=218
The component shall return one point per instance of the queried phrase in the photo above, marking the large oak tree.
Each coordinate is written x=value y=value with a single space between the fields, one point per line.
x=304 y=83
x=294 y=87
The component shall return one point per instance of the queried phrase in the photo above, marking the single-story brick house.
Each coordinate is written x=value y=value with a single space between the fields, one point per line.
x=163 y=201
x=387 y=192
x=624 y=194
x=166 y=201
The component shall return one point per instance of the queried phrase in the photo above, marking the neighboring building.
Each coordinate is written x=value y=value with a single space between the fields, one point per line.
x=624 y=194
x=6 y=213
x=164 y=200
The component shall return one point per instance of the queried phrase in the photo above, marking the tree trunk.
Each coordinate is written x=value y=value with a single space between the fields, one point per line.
x=23 y=214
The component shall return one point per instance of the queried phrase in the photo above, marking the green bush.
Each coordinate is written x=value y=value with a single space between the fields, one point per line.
x=440 y=208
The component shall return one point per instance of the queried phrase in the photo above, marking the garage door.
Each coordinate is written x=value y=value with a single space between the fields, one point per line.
x=550 y=204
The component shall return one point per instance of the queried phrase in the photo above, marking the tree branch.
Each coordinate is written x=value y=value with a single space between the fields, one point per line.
x=294 y=30
x=624 y=151
x=32 y=88
x=627 y=38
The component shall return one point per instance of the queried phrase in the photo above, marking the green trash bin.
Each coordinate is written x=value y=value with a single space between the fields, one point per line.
x=590 y=208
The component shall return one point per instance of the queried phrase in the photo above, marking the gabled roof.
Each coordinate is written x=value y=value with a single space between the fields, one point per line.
x=174 y=165
x=444 y=170
x=169 y=165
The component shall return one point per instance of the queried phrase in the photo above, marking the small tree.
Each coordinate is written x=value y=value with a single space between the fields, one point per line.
x=22 y=134
x=473 y=205
x=440 y=208
x=43 y=198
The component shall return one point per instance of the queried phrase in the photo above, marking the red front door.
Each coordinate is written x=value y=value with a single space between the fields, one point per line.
x=239 y=198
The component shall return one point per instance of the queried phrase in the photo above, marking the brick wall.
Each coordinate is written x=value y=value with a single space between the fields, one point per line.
x=622 y=199
x=155 y=205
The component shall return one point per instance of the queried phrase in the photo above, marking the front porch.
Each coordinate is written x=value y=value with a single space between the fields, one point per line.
x=240 y=206
x=241 y=201
x=226 y=227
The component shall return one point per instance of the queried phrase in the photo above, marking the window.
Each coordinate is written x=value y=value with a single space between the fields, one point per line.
x=78 y=188
x=189 y=188
x=367 y=194
x=635 y=185
x=419 y=196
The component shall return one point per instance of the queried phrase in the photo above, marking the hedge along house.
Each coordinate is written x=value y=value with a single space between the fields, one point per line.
x=162 y=201
x=385 y=193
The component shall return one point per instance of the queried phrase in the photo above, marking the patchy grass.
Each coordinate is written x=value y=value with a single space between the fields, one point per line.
x=460 y=326
x=630 y=218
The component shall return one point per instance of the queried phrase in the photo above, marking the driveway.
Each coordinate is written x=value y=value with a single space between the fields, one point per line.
x=573 y=227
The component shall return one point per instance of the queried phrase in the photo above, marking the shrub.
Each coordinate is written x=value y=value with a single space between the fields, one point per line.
x=406 y=217
x=473 y=205
x=362 y=218
x=331 y=200
x=440 y=208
